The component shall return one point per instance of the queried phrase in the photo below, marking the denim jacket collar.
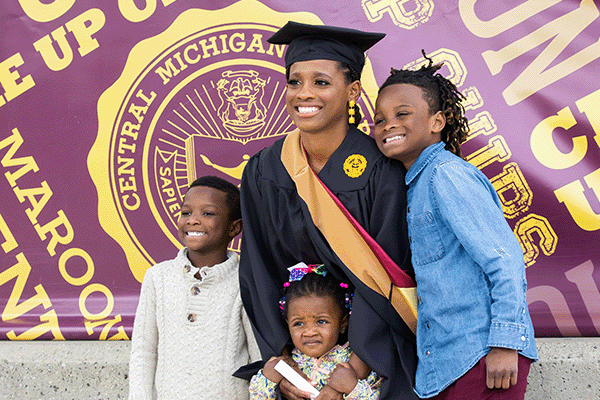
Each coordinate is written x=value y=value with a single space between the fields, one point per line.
x=424 y=158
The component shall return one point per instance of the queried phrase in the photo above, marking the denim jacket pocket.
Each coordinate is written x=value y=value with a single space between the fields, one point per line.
x=425 y=239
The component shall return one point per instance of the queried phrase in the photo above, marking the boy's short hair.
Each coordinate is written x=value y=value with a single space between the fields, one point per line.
x=232 y=192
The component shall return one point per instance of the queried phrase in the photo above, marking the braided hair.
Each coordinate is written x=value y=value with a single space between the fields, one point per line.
x=441 y=95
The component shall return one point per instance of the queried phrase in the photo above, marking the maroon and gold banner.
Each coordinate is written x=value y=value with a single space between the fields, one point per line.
x=108 y=110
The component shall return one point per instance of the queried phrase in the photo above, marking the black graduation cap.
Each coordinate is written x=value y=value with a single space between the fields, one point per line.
x=321 y=42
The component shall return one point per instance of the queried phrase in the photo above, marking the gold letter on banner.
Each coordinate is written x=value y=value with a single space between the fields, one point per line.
x=40 y=12
x=511 y=181
x=496 y=150
x=88 y=290
x=21 y=271
x=51 y=227
x=108 y=323
x=62 y=266
x=132 y=13
x=49 y=323
x=561 y=32
x=405 y=13
x=481 y=124
x=48 y=51
x=590 y=106
x=544 y=149
x=84 y=26
x=559 y=309
x=9 y=76
x=27 y=163
x=503 y=22
x=573 y=196
x=9 y=240
x=43 y=192
x=581 y=276
x=524 y=230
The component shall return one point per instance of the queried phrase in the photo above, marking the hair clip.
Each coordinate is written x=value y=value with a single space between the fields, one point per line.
x=348 y=300
x=298 y=271
x=347 y=297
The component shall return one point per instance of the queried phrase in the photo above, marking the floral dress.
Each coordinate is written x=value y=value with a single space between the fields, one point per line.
x=318 y=370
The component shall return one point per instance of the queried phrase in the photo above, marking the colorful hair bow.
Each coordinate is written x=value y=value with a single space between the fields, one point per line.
x=298 y=271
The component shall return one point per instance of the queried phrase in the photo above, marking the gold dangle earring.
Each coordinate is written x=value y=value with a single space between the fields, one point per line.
x=351 y=112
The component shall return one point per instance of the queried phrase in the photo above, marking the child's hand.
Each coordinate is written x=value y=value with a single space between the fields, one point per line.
x=343 y=378
x=501 y=368
x=291 y=392
x=288 y=390
x=269 y=370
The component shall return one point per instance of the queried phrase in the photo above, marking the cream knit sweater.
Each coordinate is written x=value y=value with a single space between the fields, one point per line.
x=190 y=335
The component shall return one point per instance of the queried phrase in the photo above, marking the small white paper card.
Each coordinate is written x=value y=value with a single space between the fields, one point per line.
x=295 y=378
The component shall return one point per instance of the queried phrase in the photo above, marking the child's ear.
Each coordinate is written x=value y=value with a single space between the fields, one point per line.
x=438 y=122
x=235 y=228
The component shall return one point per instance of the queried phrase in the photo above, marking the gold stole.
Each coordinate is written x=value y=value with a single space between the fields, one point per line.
x=341 y=235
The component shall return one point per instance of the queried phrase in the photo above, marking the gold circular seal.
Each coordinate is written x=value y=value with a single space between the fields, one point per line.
x=196 y=99
x=355 y=165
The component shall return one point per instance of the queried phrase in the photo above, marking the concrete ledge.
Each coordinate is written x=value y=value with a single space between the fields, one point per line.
x=52 y=370
x=569 y=368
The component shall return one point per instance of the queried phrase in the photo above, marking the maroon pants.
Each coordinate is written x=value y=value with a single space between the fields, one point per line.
x=472 y=386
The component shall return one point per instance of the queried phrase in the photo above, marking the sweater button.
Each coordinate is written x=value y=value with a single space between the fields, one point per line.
x=427 y=353
x=195 y=290
x=523 y=338
x=191 y=317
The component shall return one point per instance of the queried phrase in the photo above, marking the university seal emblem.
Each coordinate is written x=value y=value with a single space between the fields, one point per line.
x=355 y=165
x=194 y=100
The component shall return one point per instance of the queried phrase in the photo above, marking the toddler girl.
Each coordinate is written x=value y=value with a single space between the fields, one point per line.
x=316 y=308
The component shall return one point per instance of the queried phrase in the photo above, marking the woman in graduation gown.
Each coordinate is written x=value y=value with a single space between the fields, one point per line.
x=323 y=66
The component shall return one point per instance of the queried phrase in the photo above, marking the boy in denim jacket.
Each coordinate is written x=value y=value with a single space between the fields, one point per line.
x=475 y=338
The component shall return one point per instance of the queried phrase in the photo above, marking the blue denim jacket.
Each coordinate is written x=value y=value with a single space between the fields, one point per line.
x=469 y=270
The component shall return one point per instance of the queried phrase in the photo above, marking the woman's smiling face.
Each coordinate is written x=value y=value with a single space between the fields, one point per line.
x=317 y=95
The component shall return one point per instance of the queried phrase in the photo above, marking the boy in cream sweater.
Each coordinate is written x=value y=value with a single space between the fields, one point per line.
x=191 y=331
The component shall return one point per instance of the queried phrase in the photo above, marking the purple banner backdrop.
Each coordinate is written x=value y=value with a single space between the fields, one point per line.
x=108 y=111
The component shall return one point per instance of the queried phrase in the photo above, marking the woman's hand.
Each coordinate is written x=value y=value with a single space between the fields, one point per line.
x=501 y=368
x=270 y=372
x=343 y=378
x=361 y=369
x=328 y=393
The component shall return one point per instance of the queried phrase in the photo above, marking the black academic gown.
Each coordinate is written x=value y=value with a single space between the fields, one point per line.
x=279 y=232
